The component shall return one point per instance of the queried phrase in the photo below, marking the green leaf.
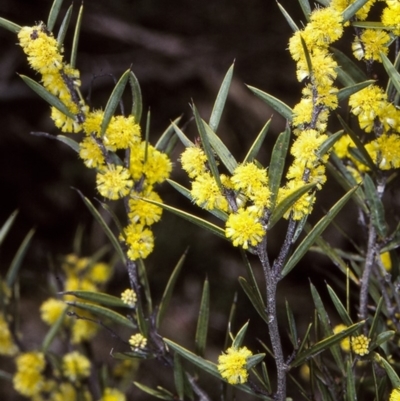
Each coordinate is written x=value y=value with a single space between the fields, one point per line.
x=328 y=143
x=164 y=140
x=365 y=155
x=324 y=344
x=384 y=337
x=376 y=319
x=137 y=102
x=307 y=55
x=141 y=320
x=393 y=377
x=283 y=109
x=103 y=313
x=368 y=24
x=53 y=15
x=68 y=141
x=114 y=241
x=64 y=27
x=10 y=26
x=375 y=206
x=277 y=164
x=75 y=42
x=266 y=377
x=305 y=6
x=350 y=384
x=341 y=310
x=351 y=10
x=344 y=93
x=220 y=101
x=288 y=18
x=239 y=338
x=161 y=393
x=98 y=297
x=254 y=298
x=167 y=295
x=54 y=329
x=392 y=72
x=179 y=376
x=351 y=69
x=292 y=327
x=202 y=321
x=254 y=360
x=207 y=148
x=114 y=100
x=221 y=150
x=18 y=258
x=184 y=139
x=145 y=284
x=47 y=96
x=190 y=217
x=256 y=146
x=231 y=318
x=319 y=228
x=287 y=203
x=390 y=88
x=7 y=225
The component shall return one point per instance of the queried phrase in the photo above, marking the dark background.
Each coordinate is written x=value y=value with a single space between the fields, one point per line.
x=180 y=51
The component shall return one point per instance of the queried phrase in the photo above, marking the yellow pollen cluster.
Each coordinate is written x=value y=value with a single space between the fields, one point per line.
x=360 y=344
x=129 y=297
x=138 y=341
x=232 y=365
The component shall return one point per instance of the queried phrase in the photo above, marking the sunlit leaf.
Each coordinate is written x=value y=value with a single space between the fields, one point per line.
x=254 y=360
x=10 y=26
x=349 y=67
x=392 y=72
x=163 y=142
x=305 y=6
x=344 y=93
x=239 y=338
x=75 y=42
x=341 y=310
x=288 y=18
x=98 y=297
x=137 y=102
x=64 y=27
x=184 y=139
x=351 y=10
x=53 y=15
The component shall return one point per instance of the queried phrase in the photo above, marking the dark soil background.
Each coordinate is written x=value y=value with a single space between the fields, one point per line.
x=180 y=51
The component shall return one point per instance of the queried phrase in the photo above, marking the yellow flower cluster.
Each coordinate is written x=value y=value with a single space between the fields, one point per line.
x=75 y=366
x=395 y=395
x=244 y=196
x=360 y=344
x=112 y=394
x=232 y=365
x=80 y=274
x=345 y=343
x=129 y=297
x=7 y=345
x=138 y=341
x=145 y=167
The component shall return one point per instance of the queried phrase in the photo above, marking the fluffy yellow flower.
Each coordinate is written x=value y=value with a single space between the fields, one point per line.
x=395 y=395
x=232 y=365
x=360 y=344
x=140 y=241
x=122 y=132
x=114 y=182
x=249 y=178
x=193 y=160
x=90 y=153
x=51 y=310
x=374 y=42
x=345 y=343
x=144 y=212
x=386 y=261
x=112 y=394
x=7 y=346
x=391 y=17
x=75 y=366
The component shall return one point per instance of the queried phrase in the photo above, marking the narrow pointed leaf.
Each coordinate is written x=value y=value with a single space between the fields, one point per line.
x=384 y=337
x=292 y=326
x=221 y=99
x=207 y=147
x=184 y=139
x=179 y=376
x=114 y=241
x=165 y=138
x=114 y=100
x=375 y=206
x=390 y=88
x=368 y=24
x=75 y=42
x=193 y=219
x=283 y=109
x=287 y=203
x=155 y=393
x=64 y=27
x=277 y=165
x=52 y=333
x=74 y=145
x=254 y=298
x=324 y=344
x=256 y=146
x=393 y=377
x=260 y=379
x=141 y=320
x=254 y=360
x=351 y=10
x=47 y=96
x=231 y=318
x=16 y=263
x=350 y=384
x=10 y=26
x=328 y=143
x=137 y=102
x=167 y=295
x=220 y=149
x=98 y=297
x=392 y=72
x=288 y=18
x=5 y=228
x=145 y=285
x=305 y=339
x=305 y=6
x=239 y=338
x=344 y=93
x=341 y=310
x=202 y=321
x=266 y=377
x=376 y=320
x=103 y=312
x=349 y=66
x=53 y=15
x=112 y=214
x=316 y=232
x=307 y=55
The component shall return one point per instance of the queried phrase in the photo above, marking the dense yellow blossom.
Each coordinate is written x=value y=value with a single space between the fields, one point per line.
x=90 y=153
x=65 y=123
x=302 y=112
x=193 y=160
x=138 y=341
x=122 y=132
x=99 y=273
x=386 y=261
x=305 y=146
x=360 y=344
x=144 y=212
x=51 y=310
x=371 y=43
x=140 y=241
x=7 y=345
x=391 y=17
x=345 y=343
x=244 y=229
x=232 y=365
x=249 y=178
x=75 y=366
x=114 y=182
x=395 y=395
x=112 y=394
x=325 y=26
x=92 y=123
x=206 y=193
x=129 y=297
